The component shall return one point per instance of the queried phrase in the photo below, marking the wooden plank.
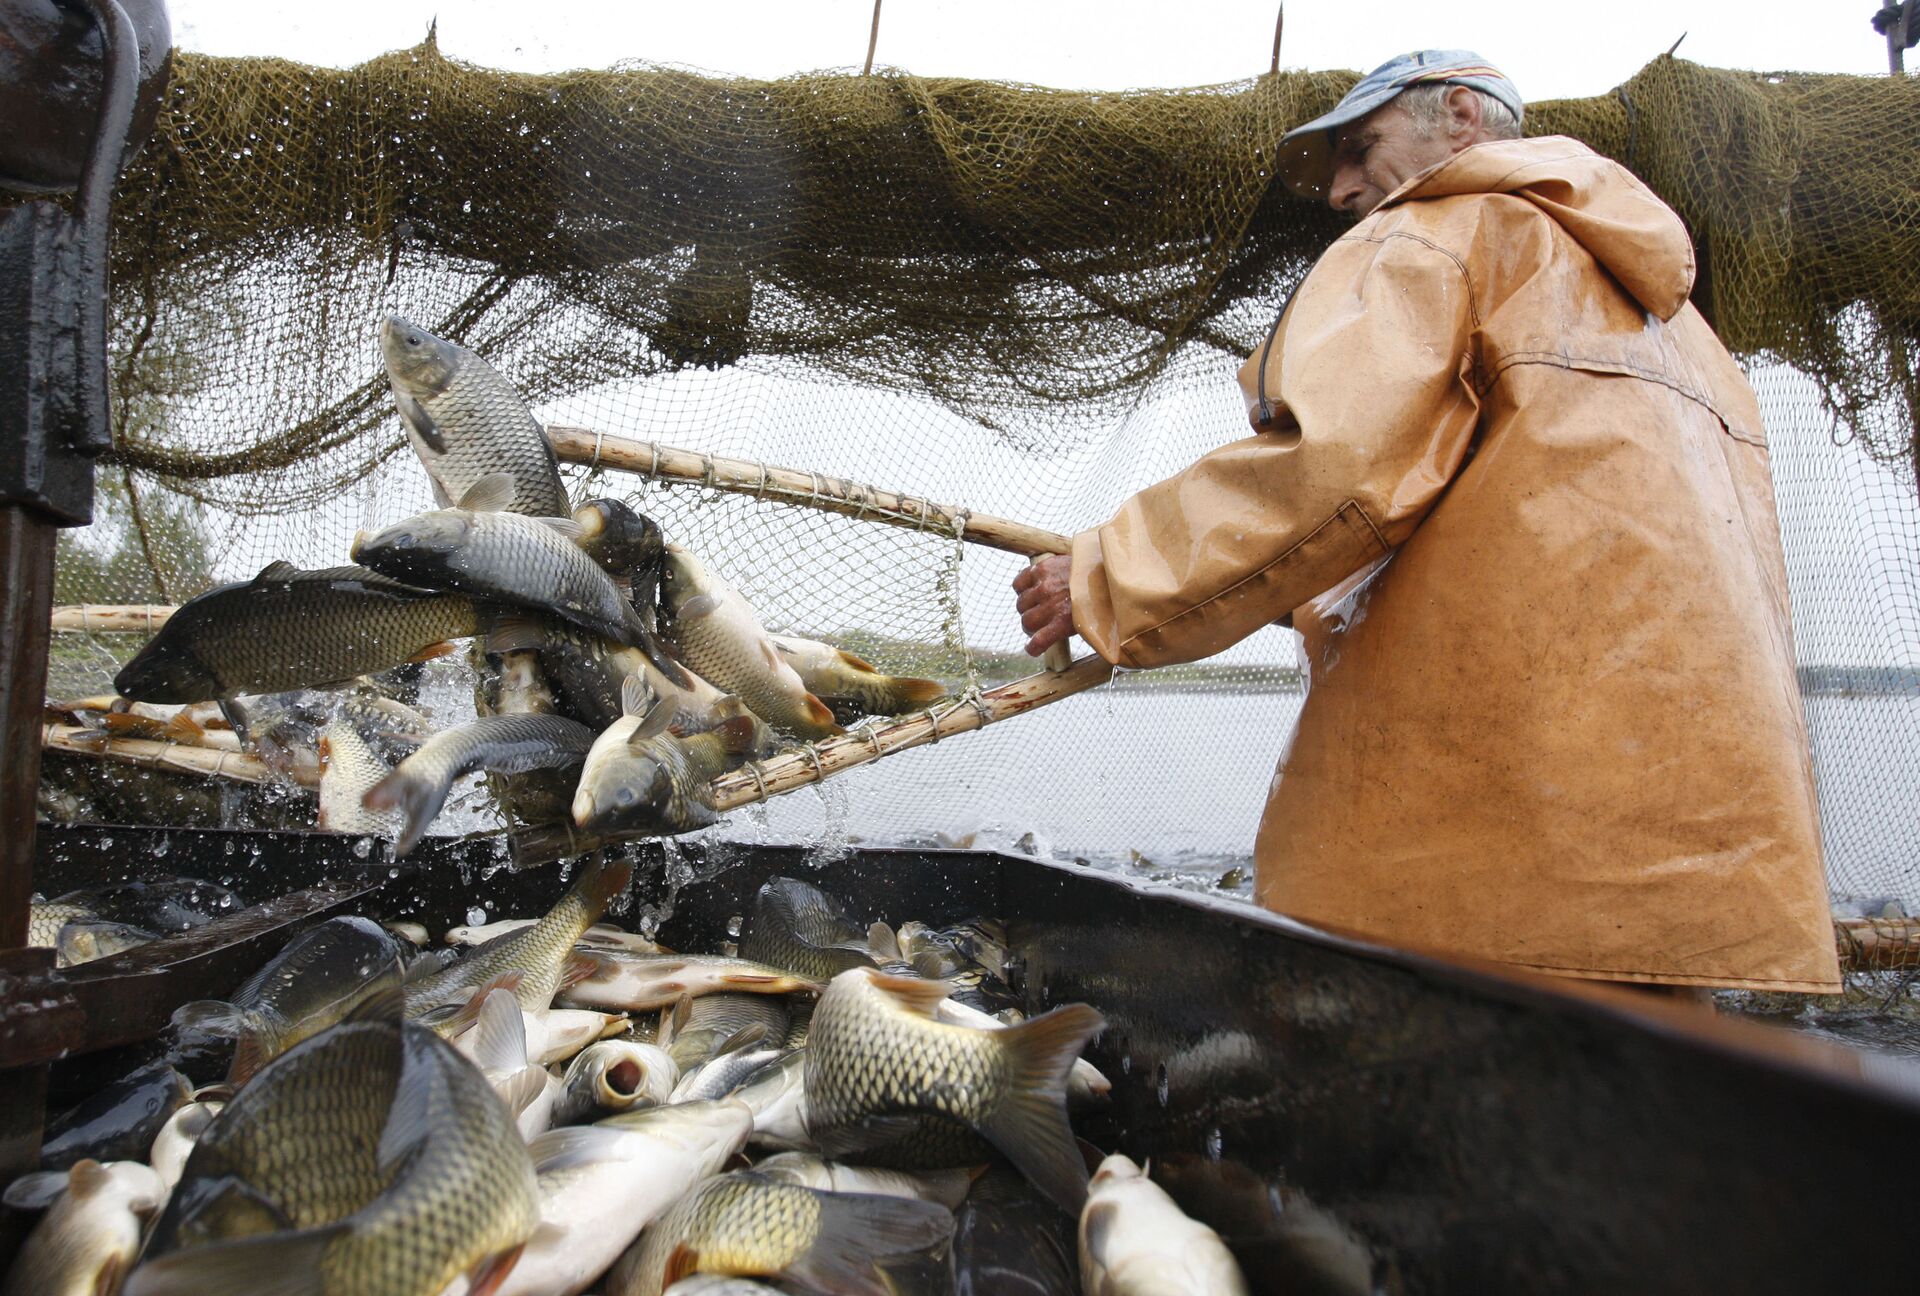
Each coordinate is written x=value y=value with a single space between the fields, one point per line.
x=180 y=758
x=110 y=618
x=801 y=487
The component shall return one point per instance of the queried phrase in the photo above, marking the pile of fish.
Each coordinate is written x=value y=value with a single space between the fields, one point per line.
x=618 y=673
x=90 y=924
x=557 y=1106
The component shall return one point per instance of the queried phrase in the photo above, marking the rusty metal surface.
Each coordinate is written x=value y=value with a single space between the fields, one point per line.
x=26 y=594
x=1352 y=1119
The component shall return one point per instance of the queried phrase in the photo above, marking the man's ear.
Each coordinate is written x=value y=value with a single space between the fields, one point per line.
x=1463 y=116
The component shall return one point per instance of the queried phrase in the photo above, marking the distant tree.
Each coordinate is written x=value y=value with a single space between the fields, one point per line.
x=111 y=561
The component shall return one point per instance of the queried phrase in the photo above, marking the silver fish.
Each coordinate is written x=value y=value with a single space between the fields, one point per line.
x=504 y=744
x=640 y=778
x=465 y=420
x=624 y=982
x=90 y=1234
x=613 y=1076
x=1134 y=1241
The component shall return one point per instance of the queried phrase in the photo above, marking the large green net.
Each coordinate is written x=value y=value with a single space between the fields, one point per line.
x=1022 y=300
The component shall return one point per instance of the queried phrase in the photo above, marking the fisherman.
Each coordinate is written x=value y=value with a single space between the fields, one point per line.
x=1514 y=495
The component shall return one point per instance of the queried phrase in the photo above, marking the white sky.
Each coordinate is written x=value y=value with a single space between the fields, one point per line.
x=1550 y=50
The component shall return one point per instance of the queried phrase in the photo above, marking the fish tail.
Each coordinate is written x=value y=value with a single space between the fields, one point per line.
x=857 y=1229
x=418 y=799
x=903 y=692
x=820 y=716
x=598 y=889
x=277 y=1264
x=1030 y=1123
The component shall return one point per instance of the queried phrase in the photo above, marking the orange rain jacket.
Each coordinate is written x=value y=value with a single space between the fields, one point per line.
x=1516 y=497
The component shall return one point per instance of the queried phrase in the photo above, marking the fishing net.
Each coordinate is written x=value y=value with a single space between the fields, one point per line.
x=1025 y=301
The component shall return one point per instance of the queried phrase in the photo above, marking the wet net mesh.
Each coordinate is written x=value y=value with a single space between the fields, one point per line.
x=1026 y=301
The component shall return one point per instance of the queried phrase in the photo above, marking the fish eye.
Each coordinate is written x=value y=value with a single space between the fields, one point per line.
x=625 y=796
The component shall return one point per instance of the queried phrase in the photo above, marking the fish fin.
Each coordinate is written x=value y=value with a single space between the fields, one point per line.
x=569 y=1146
x=636 y=699
x=388 y=1003
x=698 y=606
x=485 y=1278
x=434 y=650
x=740 y=735
x=818 y=713
x=523 y=1087
x=847 y=659
x=416 y=417
x=467 y=1015
x=563 y=526
x=211 y=1017
x=858 y=1229
x=490 y=494
x=183 y=728
x=882 y=941
x=683 y=1262
x=516 y=634
x=674 y=1020
x=37 y=1190
x=749 y=979
x=86 y=1177
x=276 y=1264
x=499 y=1033
x=906 y=691
x=602 y=882
x=581 y=965
x=249 y=1055
x=109 y=1276
x=771 y=655
x=744 y=1038
x=1030 y=1124
x=913 y=994
x=419 y=1100
x=418 y=799
x=277 y=570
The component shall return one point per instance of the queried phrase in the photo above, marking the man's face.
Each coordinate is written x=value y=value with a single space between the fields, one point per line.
x=1377 y=154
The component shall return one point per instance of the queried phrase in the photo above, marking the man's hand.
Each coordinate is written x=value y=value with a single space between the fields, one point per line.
x=1046 y=602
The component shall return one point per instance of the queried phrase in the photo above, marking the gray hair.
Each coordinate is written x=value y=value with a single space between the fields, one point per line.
x=1427 y=105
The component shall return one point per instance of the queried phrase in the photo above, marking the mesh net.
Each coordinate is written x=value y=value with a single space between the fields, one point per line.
x=1022 y=300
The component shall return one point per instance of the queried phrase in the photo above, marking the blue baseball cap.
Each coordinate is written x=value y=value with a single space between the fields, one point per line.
x=1306 y=152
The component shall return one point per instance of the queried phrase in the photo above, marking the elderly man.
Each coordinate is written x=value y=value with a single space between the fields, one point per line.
x=1514 y=495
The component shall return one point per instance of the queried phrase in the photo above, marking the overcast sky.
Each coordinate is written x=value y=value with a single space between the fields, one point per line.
x=1551 y=50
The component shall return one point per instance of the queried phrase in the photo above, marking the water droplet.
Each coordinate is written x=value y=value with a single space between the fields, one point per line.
x=476 y=916
x=363 y=848
x=733 y=925
x=1214 y=1143
x=1160 y=1083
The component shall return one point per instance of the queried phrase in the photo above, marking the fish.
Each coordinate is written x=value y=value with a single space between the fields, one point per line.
x=1009 y=1241
x=948 y=952
x=717 y=634
x=720 y=1285
x=90 y=1234
x=612 y=1076
x=723 y=1073
x=705 y=1027
x=877 y=1059
x=45 y=918
x=317 y=979
x=777 y=1096
x=1134 y=1241
x=369 y=1158
x=627 y=544
x=176 y=1139
x=851 y=687
x=601 y=1184
x=521 y=688
x=504 y=744
x=466 y=421
x=796 y=925
x=948 y=1187
x=626 y=982
x=510 y=558
x=497 y=1044
x=749 y=1224
x=349 y=769
x=540 y=952
x=83 y=942
x=564 y=1032
x=589 y=671
x=598 y=936
x=639 y=778
x=120 y=1121
x=290 y=629
x=1086 y=1086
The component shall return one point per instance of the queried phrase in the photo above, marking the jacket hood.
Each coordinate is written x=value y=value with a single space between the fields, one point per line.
x=1605 y=207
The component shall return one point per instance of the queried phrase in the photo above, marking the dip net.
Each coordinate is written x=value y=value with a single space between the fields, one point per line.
x=1025 y=301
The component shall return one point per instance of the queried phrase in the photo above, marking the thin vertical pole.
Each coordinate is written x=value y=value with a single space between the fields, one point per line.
x=1279 y=26
x=873 y=39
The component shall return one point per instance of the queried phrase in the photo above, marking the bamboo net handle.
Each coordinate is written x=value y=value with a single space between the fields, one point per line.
x=155 y=754
x=110 y=618
x=800 y=486
x=759 y=780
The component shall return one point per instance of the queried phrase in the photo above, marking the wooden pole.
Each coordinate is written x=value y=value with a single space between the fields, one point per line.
x=1878 y=944
x=802 y=487
x=873 y=39
x=759 y=780
x=178 y=757
x=110 y=618
x=1897 y=39
x=1279 y=26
